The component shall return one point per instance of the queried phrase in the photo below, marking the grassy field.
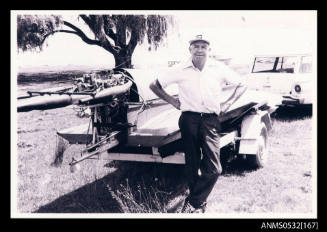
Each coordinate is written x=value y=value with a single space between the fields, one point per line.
x=284 y=186
x=101 y=186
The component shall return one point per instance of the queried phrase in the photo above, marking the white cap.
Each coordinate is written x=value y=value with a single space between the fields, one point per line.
x=199 y=38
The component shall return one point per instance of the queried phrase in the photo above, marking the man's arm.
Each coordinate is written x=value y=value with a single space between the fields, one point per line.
x=238 y=83
x=160 y=92
x=238 y=91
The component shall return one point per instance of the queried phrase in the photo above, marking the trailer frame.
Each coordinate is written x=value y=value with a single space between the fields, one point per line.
x=246 y=130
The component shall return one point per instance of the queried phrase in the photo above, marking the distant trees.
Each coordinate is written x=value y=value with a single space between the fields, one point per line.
x=117 y=34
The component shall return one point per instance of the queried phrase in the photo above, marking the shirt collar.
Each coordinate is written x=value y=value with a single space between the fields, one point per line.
x=188 y=63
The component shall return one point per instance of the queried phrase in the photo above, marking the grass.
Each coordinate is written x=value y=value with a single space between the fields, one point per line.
x=98 y=184
x=142 y=196
x=101 y=186
x=284 y=185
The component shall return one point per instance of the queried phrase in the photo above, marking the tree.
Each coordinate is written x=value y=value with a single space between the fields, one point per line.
x=117 y=34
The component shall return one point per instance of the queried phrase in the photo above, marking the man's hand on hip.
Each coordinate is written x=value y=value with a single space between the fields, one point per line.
x=161 y=93
x=176 y=103
x=224 y=107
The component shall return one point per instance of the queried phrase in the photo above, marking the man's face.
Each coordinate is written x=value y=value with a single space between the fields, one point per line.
x=199 y=50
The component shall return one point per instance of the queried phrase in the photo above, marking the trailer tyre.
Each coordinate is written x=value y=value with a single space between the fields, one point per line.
x=260 y=158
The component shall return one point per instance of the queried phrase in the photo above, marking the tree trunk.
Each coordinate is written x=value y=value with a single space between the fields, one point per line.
x=123 y=59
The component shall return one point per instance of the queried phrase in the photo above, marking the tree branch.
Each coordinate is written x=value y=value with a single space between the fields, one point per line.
x=121 y=33
x=86 y=20
x=109 y=32
x=51 y=33
x=104 y=42
x=81 y=34
x=76 y=31
x=132 y=42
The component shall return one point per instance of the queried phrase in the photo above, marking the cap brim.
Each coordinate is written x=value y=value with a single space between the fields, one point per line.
x=197 y=40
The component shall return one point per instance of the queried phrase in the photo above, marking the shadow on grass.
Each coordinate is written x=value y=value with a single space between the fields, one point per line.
x=164 y=181
x=134 y=187
x=237 y=167
x=287 y=113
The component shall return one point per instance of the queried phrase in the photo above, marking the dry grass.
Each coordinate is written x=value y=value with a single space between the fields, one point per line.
x=283 y=186
x=44 y=188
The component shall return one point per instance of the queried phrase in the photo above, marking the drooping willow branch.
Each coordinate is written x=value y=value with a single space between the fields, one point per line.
x=75 y=31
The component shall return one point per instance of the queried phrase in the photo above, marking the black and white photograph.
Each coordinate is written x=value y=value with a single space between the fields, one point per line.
x=164 y=114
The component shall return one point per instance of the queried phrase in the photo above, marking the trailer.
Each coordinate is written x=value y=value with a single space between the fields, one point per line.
x=145 y=128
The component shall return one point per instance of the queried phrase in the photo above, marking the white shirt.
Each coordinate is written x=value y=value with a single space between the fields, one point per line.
x=200 y=91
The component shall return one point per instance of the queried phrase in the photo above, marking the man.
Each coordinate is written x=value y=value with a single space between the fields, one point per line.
x=200 y=100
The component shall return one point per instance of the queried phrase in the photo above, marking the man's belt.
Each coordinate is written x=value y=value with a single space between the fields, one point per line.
x=200 y=114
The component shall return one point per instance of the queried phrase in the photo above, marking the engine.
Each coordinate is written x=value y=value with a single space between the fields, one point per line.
x=108 y=113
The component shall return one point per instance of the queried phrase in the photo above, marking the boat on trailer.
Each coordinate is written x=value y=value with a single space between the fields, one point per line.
x=145 y=128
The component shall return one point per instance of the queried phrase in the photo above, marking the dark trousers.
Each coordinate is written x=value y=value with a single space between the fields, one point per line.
x=200 y=133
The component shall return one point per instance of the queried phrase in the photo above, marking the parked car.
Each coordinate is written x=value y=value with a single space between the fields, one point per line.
x=300 y=94
x=289 y=75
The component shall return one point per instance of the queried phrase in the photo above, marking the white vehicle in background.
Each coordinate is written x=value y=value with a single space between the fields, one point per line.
x=287 y=74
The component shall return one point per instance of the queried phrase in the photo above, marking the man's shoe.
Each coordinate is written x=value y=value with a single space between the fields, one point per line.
x=201 y=209
x=198 y=210
x=187 y=207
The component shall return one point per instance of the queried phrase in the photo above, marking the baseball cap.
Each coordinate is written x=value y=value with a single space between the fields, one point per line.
x=199 y=38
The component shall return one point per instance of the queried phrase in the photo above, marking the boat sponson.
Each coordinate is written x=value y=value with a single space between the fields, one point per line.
x=80 y=134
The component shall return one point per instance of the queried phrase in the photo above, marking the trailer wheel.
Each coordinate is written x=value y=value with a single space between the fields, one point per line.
x=260 y=158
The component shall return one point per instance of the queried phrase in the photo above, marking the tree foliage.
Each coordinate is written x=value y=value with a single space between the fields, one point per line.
x=33 y=29
x=117 y=34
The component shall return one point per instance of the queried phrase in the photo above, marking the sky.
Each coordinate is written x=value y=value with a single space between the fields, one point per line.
x=236 y=34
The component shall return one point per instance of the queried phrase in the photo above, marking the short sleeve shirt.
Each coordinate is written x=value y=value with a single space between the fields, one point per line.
x=200 y=91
